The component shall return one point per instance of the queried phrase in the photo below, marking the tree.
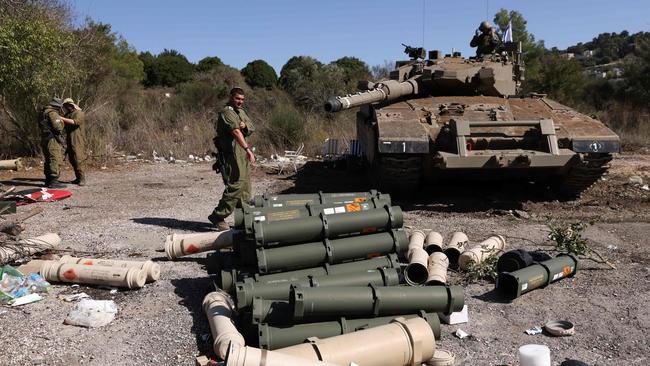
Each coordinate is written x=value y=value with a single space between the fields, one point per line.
x=637 y=74
x=169 y=68
x=310 y=83
x=34 y=46
x=532 y=50
x=353 y=70
x=298 y=67
x=258 y=73
x=559 y=77
x=208 y=63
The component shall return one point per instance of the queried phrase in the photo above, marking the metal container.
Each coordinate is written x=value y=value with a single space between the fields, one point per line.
x=330 y=251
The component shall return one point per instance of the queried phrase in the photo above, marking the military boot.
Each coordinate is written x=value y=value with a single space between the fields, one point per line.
x=55 y=184
x=79 y=181
x=218 y=222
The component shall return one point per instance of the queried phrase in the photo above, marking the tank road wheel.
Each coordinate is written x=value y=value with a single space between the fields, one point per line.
x=584 y=174
x=399 y=175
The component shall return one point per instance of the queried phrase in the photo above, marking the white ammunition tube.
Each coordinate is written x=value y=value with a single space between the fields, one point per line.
x=251 y=356
x=438 y=264
x=27 y=247
x=433 y=242
x=93 y=275
x=152 y=269
x=178 y=245
x=456 y=246
x=416 y=271
x=400 y=343
x=13 y=164
x=493 y=245
x=218 y=307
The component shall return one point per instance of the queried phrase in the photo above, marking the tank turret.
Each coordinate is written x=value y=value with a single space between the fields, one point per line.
x=494 y=75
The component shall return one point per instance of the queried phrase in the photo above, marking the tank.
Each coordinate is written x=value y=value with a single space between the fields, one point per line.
x=441 y=117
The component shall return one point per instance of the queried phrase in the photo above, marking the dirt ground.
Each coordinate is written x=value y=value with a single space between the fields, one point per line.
x=127 y=210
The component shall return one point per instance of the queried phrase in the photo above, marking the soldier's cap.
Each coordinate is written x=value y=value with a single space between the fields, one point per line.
x=56 y=102
x=71 y=102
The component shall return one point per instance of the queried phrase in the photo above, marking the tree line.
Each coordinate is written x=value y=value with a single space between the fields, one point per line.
x=138 y=102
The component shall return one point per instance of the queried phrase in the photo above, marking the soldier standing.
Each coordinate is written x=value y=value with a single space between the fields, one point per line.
x=485 y=39
x=235 y=157
x=51 y=127
x=74 y=131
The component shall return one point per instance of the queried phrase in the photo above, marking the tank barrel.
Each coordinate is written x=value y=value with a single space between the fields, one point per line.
x=387 y=90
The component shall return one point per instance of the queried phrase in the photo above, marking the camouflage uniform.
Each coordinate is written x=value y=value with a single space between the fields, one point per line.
x=234 y=164
x=52 y=141
x=75 y=140
x=485 y=43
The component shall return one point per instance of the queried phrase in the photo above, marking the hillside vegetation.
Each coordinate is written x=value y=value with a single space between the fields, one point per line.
x=138 y=102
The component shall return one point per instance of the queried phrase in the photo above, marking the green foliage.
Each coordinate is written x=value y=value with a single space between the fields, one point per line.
x=200 y=94
x=353 y=70
x=486 y=270
x=637 y=74
x=169 y=68
x=569 y=238
x=608 y=47
x=297 y=69
x=532 y=50
x=125 y=62
x=285 y=126
x=310 y=83
x=559 y=77
x=208 y=63
x=33 y=66
x=258 y=73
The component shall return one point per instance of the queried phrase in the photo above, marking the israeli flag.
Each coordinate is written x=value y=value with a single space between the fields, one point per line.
x=507 y=36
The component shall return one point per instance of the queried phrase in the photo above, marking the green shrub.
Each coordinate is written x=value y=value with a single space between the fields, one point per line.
x=259 y=74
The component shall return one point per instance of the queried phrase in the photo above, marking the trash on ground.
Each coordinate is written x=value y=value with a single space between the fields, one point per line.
x=92 y=313
x=461 y=334
x=635 y=180
x=74 y=297
x=559 y=328
x=38 y=195
x=457 y=317
x=27 y=299
x=14 y=285
x=534 y=331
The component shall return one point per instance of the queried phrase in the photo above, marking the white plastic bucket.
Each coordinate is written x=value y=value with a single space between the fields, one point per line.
x=534 y=355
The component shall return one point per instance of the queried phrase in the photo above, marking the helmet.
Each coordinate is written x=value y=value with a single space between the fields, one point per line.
x=485 y=26
x=56 y=102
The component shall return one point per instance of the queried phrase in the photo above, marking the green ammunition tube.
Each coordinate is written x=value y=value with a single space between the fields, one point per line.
x=247 y=215
x=320 y=198
x=274 y=337
x=315 y=302
x=330 y=251
x=514 y=284
x=246 y=291
x=271 y=312
x=227 y=276
x=308 y=229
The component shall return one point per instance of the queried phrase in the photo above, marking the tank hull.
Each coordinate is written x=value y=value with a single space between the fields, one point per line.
x=421 y=140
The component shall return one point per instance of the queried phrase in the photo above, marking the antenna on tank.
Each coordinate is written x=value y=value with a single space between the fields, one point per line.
x=423 y=20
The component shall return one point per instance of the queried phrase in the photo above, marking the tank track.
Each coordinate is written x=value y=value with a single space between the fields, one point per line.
x=583 y=175
x=399 y=175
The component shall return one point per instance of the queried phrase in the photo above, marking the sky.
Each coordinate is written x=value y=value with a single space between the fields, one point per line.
x=239 y=32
